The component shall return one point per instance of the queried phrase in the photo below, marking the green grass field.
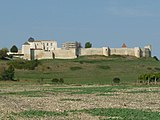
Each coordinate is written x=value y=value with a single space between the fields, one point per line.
x=90 y=70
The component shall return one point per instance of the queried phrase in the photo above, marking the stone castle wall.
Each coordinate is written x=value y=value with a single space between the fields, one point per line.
x=29 y=51
x=65 y=54
x=122 y=51
x=41 y=54
x=91 y=51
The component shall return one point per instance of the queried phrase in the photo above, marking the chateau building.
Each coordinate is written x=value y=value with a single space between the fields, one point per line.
x=47 y=49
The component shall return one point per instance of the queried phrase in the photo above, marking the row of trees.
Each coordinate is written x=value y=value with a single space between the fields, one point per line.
x=148 y=78
x=3 y=51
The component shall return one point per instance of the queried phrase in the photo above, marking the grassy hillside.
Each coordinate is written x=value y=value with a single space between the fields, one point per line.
x=90 y=70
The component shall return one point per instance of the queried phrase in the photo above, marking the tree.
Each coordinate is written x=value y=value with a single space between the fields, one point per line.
x=3 y=53
x=155 y=57
x=88 y=45
x=14 y=49
x=8 y=74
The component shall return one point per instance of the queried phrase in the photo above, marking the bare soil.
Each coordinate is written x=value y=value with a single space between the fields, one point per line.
x=58 y=102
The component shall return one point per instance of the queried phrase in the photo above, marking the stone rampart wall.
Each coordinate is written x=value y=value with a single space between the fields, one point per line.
x=41 y=54
x=91 y=51
x=122 y=51
x=65 y=54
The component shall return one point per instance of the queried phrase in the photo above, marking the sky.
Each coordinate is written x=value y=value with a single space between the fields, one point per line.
x=102 y=22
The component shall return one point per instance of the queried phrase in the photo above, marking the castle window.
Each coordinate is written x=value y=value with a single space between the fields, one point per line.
x=47 y=44
x=51 y=44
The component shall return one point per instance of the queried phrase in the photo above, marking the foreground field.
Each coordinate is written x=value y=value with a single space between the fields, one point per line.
x=94 y=102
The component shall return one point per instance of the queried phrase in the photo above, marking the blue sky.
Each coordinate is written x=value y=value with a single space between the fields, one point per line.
x=102 y=22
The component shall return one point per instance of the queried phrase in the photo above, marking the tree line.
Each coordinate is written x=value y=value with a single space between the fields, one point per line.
x=149 y=78
x=4 y=51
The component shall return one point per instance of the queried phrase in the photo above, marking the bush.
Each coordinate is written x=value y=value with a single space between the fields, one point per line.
x=149 y=68
x=61 y=80
x=24 y=64
x=116 y=80
x=56 y=80
x=81 y=62
x=8 y=74
x=156 y=68
x=104 y=67
x=75 y=68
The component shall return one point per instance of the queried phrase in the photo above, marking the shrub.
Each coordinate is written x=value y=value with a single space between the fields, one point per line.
x=104 y=67
x=24 y=64
x=116 y=80
x=61 y=80
x=75 y=68
x=56 y=80
x=8 y=74
x=149 y=68
x=156 y=68
x=81 y=62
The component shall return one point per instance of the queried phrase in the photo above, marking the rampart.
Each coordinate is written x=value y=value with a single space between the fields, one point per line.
x=91 y=51
x=48 y=50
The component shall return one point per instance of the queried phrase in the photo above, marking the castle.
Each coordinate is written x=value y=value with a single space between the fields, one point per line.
x=47 y=49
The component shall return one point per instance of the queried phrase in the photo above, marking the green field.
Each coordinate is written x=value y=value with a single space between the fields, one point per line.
x=90 y=70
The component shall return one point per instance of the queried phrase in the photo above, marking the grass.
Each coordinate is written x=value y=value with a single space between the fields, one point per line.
x=144 y=91
x=105 y=90
x=90 y=70
x=26 y=93
x=90 y=90
x=107 y=113
x=122 y=114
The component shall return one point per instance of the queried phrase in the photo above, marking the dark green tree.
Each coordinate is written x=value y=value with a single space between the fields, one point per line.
x=88 y=45
x=14 y=49
x=3 y=53
x=8 y=74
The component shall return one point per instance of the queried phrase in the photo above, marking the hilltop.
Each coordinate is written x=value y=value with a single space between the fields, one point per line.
x=89 y=70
